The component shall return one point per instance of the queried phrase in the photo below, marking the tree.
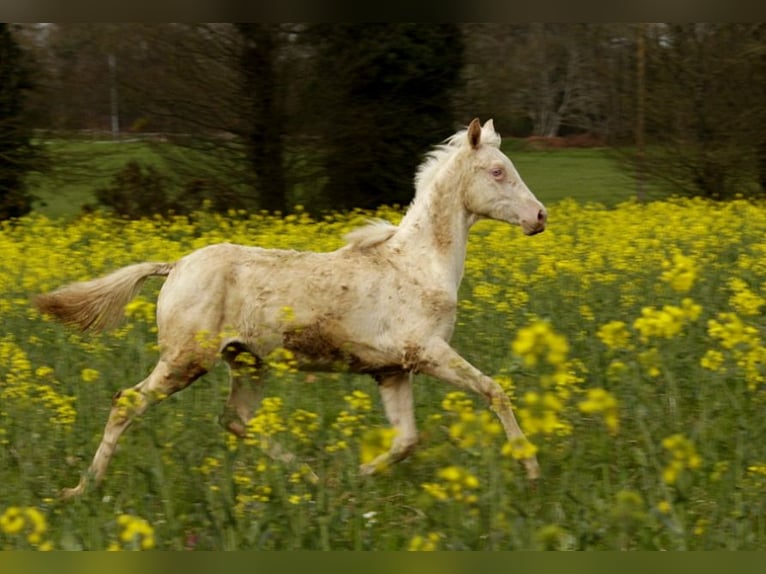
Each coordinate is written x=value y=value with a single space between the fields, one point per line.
x=222 y=97
x=264 y=127
x=18 y=155
x=383 y=96
x=548 y=79
x=705 y=108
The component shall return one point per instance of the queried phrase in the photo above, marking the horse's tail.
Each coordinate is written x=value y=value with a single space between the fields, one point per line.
x=98 y=304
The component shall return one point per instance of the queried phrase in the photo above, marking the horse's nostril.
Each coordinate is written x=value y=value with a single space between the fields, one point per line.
x=541 y=216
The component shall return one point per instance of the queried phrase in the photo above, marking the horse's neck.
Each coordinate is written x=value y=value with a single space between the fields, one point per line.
x=435 y=232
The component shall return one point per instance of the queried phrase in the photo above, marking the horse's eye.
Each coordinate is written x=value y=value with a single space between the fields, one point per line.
x=497 y=172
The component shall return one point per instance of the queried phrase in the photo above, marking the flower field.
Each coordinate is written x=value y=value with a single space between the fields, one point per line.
x=632 y=342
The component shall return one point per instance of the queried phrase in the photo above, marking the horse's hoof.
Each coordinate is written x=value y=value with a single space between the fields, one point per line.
x=68 y=493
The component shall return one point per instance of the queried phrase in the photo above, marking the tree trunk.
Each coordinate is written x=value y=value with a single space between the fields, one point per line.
x=264 y=130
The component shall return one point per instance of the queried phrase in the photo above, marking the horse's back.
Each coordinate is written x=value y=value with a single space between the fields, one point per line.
x=318 y=304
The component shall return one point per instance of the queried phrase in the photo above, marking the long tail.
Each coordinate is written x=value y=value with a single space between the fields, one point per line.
x=98 y=304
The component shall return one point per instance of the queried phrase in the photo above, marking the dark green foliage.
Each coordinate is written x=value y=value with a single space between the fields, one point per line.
x=705 y=108
x=142 y=191
x=384 y=98
x=262 y=112
x=136 y=191
x=17 y=153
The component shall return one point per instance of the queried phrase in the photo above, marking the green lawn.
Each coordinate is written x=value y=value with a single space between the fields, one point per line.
x=582 y=174
x=80 y=167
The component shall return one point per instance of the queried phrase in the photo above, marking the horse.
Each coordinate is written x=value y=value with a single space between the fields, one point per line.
x=384 y=304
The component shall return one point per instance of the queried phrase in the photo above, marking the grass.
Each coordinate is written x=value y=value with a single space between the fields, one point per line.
x=630 y=341
x=83 y=166
x=583 y=174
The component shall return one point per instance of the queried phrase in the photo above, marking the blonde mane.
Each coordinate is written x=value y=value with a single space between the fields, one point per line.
x=375 y=232
x=379 y=230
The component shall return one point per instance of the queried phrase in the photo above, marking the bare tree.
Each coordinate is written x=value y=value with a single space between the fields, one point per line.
x=548 y=79
x=705 y=108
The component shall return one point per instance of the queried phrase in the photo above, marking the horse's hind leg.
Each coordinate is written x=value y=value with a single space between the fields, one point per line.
x=171 y=374
x=246 y=389
x=396 y=393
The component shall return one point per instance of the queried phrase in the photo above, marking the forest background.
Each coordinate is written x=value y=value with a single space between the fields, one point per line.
x=338 y=116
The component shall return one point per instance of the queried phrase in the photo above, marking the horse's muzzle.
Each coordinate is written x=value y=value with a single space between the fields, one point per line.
x=537 y=225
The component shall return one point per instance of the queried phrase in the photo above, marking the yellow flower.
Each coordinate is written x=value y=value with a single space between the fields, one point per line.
x=683 y=455
x=12 y=521
x=712 y=360
x=601 y=401
x=458 y=485
x=743 y=300
x=282 y=361
x=426 y=543
x=438 y=491
x=359 y=401
x=28 y=522
x=614 y=335
x=539 y=341
x=519 y=449
x=457 y=402
x=89 y=375
x=302 y=424
x=127 y=403
x=136 y=533
x=266 y=423
x=374 y=442
x=474 y=428
x=680 y=273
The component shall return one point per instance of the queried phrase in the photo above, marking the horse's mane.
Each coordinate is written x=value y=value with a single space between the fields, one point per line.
x=438 y=156
x=375 y=232
x=378 y=231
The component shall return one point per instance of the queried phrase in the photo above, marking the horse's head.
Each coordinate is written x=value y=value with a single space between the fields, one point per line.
x=495 y=189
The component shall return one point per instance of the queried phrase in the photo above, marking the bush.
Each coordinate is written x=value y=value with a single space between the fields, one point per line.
x=140 y=191
x=136 y=191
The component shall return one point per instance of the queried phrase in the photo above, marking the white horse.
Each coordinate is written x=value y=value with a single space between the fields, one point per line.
x=384 y=304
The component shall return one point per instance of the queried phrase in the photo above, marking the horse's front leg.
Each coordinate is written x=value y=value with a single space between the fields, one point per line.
x=439 y=360
x=396 y=393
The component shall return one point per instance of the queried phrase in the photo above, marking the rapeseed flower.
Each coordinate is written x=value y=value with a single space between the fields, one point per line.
x=712 y=360
x=28 y=523
x=457 y=484
x=302 y=424
x=374 y=442
x=540 y=413
x=744 y=301
x=135 y=534
x=539 y=341
x=601 y=401
x=614 y=335
x=89 y=375
x=667 y=322
x=679 y=273
x=427 y=543
x=683 y=455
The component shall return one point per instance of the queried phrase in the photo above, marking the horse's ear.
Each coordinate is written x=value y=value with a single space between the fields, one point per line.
x=489 y=125
x=474 y=133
